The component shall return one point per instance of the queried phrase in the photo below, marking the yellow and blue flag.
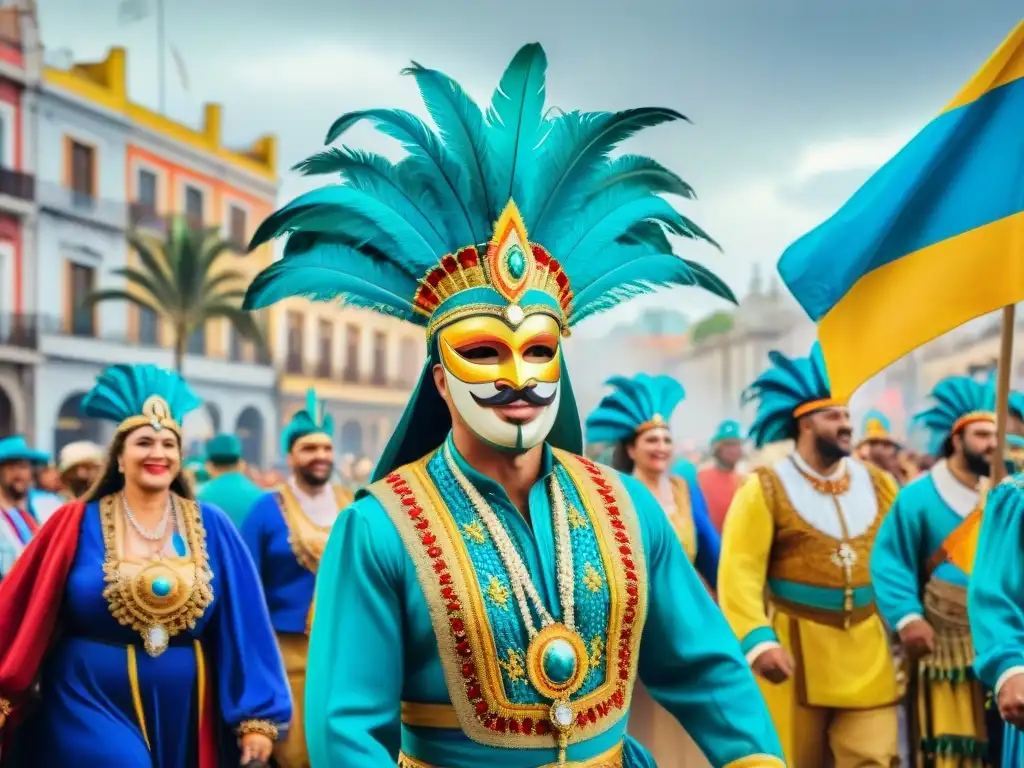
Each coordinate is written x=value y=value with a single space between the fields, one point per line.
x=934 y=239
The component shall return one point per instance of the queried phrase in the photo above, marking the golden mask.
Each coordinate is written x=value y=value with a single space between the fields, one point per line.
x=511 y=367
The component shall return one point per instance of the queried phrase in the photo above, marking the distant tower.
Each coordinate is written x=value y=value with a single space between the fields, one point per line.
x=756 y=280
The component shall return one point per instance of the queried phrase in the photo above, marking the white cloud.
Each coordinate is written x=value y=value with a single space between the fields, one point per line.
x=847 y=154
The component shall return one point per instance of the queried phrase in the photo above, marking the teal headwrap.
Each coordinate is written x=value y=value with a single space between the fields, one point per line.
x=956 y=402
x=727 y=430
x=442 y=234
x=1016 y=404
x=224 y=449
x=132 y=396
x=636 y=404
x=311 y=420
x=790 y=388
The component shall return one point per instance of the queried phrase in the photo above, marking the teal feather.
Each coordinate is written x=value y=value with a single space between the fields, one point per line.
x=711 y=282
x=632 y=403
x=469 y=221
x=632 y=278
x=951 y=399
x=312 y=419
x=787 y=384
x=649 y=233
x=121 y=391
x=515 y=119
x=649 y=174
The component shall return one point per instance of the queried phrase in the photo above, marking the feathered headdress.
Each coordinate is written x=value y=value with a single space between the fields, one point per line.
x=877 y=427
x=1016 y=404
x=789 y=389
x=956 y=402
x=132 y=396
x=636 y=405
x=443 y=233
x=311 y=423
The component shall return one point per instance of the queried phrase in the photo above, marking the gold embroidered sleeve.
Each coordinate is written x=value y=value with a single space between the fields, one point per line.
x=262 y=727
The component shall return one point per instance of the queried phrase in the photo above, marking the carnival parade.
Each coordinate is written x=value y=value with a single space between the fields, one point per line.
x=510 y=544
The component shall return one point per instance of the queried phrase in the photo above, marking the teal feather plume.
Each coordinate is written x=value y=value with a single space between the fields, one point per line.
x=312 y=419
x=951 y=399
x=121 y=390
x=632 y=403
x=786 y=384
x=649 y=174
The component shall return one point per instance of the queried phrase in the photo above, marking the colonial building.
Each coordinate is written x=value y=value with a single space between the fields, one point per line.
x=362 y=364
x=19 y=326
x=108 y=166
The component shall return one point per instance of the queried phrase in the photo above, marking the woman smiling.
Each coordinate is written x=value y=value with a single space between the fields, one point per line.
x=165 y=647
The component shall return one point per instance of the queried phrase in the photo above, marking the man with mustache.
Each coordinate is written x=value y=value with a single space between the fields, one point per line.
x=493 y=589
x=19 y=520
x=801 y=531
x=286 y=531
x=922 y=594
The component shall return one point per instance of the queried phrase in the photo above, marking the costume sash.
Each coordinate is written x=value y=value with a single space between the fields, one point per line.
x=959 y=546
x=457 y=599
x=307 y=539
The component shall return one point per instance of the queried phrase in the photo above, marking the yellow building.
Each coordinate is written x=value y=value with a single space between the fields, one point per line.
x=111 y=166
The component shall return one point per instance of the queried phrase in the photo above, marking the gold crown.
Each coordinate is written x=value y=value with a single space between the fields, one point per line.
x=512 y=265
x=156 y=413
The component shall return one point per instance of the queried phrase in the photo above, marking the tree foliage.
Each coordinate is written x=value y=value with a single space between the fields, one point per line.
x=713 y=325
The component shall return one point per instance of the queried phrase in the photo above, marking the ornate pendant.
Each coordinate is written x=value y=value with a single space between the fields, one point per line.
x=557 y=662
x=155 y=640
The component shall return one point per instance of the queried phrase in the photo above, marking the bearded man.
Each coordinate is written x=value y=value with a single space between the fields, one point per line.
x=20 y=510
x=286 y=531
x=802 y=530
x=79 y=465
x=922 y=593
x=495 y=588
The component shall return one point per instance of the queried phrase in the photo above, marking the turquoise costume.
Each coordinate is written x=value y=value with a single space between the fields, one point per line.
x=645 y=402
x=995 y=599
x=18 y=525
x=505 y=638
x=914 y=579
x=232 y=491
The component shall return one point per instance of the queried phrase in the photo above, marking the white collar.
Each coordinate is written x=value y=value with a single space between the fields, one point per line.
x=955 y=494
x=805 y=467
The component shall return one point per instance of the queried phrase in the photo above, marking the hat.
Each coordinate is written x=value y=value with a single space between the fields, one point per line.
x=636 y=405
x=80 y=452
x=727 y=430
x=956 y=402
x=134 y=396
x=312 y=423
x=223 y=449
x=14 y=448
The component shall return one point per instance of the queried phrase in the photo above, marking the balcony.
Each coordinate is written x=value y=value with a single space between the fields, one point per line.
x=56 y=198
x=145 y=217
x=17 y=191
x=19 y=337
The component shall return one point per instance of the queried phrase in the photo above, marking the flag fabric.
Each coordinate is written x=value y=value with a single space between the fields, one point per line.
x=934 y=239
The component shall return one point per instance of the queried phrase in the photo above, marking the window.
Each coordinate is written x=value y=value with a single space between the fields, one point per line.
x=197 y=341
x=146 y=196
x=295 y=342
x=380 y=352
x=237 y=226
x=194 y=207
x=83 y=319
x=236 y=350
x=409 y=357
x=352 y=343
x=147 y=326
x=325 y=361
x=83 y=173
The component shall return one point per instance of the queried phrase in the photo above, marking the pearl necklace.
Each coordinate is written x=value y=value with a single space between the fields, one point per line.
x=557 y=659
x=158 y=533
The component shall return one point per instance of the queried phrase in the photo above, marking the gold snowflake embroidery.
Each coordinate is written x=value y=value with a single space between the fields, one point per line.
x=596 y=650
x=592 y=579
x=576 y=518
x=474 y=531
x=498 y=593
x=513 y=666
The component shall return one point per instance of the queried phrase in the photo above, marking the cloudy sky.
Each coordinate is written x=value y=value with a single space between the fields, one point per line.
x=794 y=102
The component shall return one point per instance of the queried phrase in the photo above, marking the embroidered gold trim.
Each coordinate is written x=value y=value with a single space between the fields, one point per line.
x=127 y=578
x=306 y=538
x=492 y=310
x=613 y=758
x=756 y=761
x=455 y=600
x=682 y=520
x=420 y=715
x=262 y=727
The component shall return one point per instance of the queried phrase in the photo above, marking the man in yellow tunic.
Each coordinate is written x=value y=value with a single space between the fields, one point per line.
x=800 y=531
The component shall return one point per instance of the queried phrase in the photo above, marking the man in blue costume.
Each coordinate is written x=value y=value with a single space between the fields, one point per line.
x=920 y=593
x=19 y=517
x=228 y=487
x=491 y=598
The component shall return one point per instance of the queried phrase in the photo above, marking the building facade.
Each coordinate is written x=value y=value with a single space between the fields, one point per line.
x=19 y=326
x=363 y=365
x=109 y=166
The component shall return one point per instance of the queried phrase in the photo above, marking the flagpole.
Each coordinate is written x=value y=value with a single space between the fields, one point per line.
x=162 y=55
x=1003 y=391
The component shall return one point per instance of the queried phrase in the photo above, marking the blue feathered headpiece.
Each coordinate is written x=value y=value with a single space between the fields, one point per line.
x=956 y=402
x=135 y=395
x=790 y=388
x=312 y=420
x=1016 y=404
x=443 y=232
x=636 y=404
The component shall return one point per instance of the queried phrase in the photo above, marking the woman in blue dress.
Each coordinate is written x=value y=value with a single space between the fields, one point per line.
x=165 y=655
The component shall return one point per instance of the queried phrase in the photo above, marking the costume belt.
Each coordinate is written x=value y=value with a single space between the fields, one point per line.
x=839 y=619
x=610 y=759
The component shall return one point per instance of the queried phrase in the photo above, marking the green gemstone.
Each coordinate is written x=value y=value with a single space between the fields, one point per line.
x=516 y=262
x=559 y=661
x=161 y=586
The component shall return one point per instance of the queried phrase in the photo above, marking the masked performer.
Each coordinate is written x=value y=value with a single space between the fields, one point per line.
x=720 y=479
x=804 y=527
x=921 y=594
x=635 y=418
x=165 y=654
x=286 y=532
x=494 y=586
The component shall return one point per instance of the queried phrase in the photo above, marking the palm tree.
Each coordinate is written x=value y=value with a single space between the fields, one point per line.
x=177 y=280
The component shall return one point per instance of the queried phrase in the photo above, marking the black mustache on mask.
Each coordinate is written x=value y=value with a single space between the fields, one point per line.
x=507 y=395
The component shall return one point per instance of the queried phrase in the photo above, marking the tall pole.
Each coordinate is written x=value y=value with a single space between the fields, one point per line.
x=161 y=52
x=1003 y=391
